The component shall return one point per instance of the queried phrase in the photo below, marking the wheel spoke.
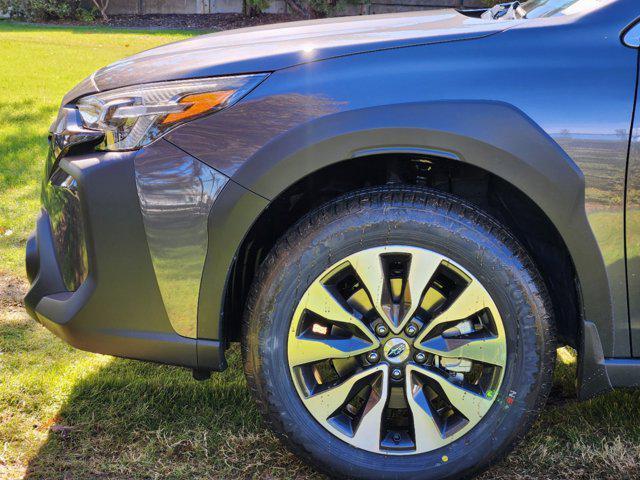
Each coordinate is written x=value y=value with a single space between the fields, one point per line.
x=304 y=350
x=428 y=435
x=421 y=269
x=473 y=299
x=369 y=429
x=368 y=267
x=490 y=350
x=324 y=404
x=307 y=348
x=470 y=404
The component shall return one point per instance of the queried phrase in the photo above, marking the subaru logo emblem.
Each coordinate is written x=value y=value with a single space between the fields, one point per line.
x=396 y=350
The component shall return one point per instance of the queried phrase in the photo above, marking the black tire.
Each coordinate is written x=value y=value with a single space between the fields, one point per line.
x=416 y=217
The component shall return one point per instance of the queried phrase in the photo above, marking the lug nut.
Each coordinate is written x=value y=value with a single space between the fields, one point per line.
x=411 y=329
x=382 y=330
x=396 y=373
x=420 y=357
x=373 y=357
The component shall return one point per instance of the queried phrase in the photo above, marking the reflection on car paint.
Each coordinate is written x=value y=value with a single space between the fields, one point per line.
x=176 y=193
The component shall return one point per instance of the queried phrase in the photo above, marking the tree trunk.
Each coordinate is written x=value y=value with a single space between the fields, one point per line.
x=102 y=5
x=298 y=7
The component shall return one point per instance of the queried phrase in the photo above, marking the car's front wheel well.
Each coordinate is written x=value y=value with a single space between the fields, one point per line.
x=503 y=201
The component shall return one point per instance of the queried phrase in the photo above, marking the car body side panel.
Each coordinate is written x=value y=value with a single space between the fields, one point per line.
x=176 y=193
x=572 y=81
x=633 y=232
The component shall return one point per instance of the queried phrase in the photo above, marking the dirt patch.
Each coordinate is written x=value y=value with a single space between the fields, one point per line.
x=214 y=21
x=12 y=290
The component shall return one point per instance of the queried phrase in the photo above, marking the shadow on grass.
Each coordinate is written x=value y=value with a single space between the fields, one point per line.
x=133 y=420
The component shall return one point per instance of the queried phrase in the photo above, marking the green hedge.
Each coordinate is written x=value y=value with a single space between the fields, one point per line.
x=39 y=10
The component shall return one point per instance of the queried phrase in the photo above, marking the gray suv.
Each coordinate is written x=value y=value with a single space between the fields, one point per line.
x=399 y=217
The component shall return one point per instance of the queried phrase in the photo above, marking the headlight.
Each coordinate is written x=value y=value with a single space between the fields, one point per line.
x=132 y=117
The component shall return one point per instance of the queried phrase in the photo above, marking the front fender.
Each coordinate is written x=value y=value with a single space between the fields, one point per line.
x=494 y=136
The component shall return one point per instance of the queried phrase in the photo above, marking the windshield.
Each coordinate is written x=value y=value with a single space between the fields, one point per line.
x=550 y=8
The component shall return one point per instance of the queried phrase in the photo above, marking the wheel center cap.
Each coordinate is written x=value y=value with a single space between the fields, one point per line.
x=396 y=350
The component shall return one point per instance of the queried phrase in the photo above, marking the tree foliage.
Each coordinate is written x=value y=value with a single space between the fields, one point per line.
x=255 y=7
x=319 y=8
x=38 y=10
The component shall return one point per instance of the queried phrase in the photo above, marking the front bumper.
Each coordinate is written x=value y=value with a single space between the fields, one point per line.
x=92 y=275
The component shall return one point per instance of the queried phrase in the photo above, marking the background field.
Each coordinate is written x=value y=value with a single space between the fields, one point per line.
x=66 y=414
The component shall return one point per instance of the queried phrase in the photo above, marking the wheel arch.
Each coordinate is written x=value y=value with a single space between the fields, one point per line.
x=490 y=137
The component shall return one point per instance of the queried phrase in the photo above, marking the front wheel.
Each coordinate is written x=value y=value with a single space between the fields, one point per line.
x=399 y=333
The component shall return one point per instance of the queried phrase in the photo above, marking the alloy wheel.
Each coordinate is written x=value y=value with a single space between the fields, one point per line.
x=397 y=350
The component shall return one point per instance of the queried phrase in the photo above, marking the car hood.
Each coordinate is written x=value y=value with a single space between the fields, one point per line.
x=273 y=47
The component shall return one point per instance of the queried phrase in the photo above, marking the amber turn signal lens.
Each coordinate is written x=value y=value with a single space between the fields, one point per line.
x=199 y=103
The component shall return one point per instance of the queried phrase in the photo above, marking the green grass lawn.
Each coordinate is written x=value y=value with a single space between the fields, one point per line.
x=38 y=65
x=66 y=414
